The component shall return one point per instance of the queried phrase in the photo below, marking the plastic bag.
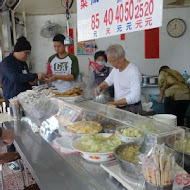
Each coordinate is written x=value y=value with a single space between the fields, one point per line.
x=34 y=104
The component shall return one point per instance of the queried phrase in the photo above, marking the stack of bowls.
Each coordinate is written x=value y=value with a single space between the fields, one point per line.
x=166 y=118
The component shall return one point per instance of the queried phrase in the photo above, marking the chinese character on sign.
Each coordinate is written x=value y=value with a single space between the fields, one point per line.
x=152 y=43
x=95 y=34
x=148 y=21
x=139 y=24
x=151 y=48
x=129 y=26
x=86 y=47
x=108 y=31
x=119 y=28
x=83 y=4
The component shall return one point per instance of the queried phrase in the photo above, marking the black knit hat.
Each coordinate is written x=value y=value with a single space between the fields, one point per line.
x=22 y=44
x=59 y=38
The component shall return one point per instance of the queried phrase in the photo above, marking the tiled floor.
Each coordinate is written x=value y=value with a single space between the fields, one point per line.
x=13 y=180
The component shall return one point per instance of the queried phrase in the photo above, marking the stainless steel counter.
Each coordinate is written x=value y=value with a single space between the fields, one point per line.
x=53 y=171
x=150 y=86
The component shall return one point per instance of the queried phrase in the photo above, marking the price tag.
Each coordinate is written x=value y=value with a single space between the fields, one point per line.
x=183 y=180
x=103 y=18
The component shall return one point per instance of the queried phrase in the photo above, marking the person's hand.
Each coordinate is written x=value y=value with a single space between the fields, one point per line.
x=7 y=136
x=111 y=104
x=46 y=78
x=159 y=99
x=32 y=82
x=97 y=90
x=52 y=78
x=40 y=76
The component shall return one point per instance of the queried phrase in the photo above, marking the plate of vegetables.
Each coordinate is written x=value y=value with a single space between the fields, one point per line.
x=96 y=148
x=129 y=134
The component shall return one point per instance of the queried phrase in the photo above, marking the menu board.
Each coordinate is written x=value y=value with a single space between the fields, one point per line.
x=103 y=18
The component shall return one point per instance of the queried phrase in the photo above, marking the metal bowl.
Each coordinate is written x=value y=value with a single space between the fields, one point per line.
x=109 y=126
x=129 y=169
x=102 y=98
x=180 y=153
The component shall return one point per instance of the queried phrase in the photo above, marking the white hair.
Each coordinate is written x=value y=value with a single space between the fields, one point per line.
x=116 y=50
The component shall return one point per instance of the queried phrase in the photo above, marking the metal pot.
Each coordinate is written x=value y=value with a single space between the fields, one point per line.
x=171 y=143
x=150 y=186
x=128 y=169
x=153 y=80
x=144 y=80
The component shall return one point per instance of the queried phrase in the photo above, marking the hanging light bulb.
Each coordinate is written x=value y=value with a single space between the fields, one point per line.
x=68 y=40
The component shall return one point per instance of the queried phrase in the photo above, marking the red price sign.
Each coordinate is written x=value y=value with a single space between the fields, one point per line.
x=144 y=9
x=95 y=21
x=183 y=179
x=124 y=12
x=99 y=18
x=108 y=17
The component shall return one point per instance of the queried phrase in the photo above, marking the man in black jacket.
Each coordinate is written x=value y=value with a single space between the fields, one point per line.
x=15 y=75
x=16 y=78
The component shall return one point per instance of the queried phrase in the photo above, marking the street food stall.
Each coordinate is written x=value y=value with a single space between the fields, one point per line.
x=70 y=142
x=70 y=150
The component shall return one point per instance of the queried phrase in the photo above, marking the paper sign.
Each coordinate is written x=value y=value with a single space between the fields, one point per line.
x=86 y=48
x=71 y=49
x=103 y=18
x=183 y=180
x=122 y=36
x=152 y=43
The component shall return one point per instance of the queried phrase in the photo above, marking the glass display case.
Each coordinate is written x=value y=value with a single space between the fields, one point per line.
x=110 y=118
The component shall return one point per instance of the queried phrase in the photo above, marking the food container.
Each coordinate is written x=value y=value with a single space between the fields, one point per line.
x=144 y=80
x=128 y=169
x=84 y=127
x=110 y=126
x=70 y=99
x=91 y=156
x=180 y=149
x=15 y=105
x=153 y=80
x=150 y=186
x=125 y=138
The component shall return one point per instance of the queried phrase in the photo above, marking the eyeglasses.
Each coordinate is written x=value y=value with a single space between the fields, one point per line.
x=27 y=53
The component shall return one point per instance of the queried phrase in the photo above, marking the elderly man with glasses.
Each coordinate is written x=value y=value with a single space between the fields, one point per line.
x=126 y=78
